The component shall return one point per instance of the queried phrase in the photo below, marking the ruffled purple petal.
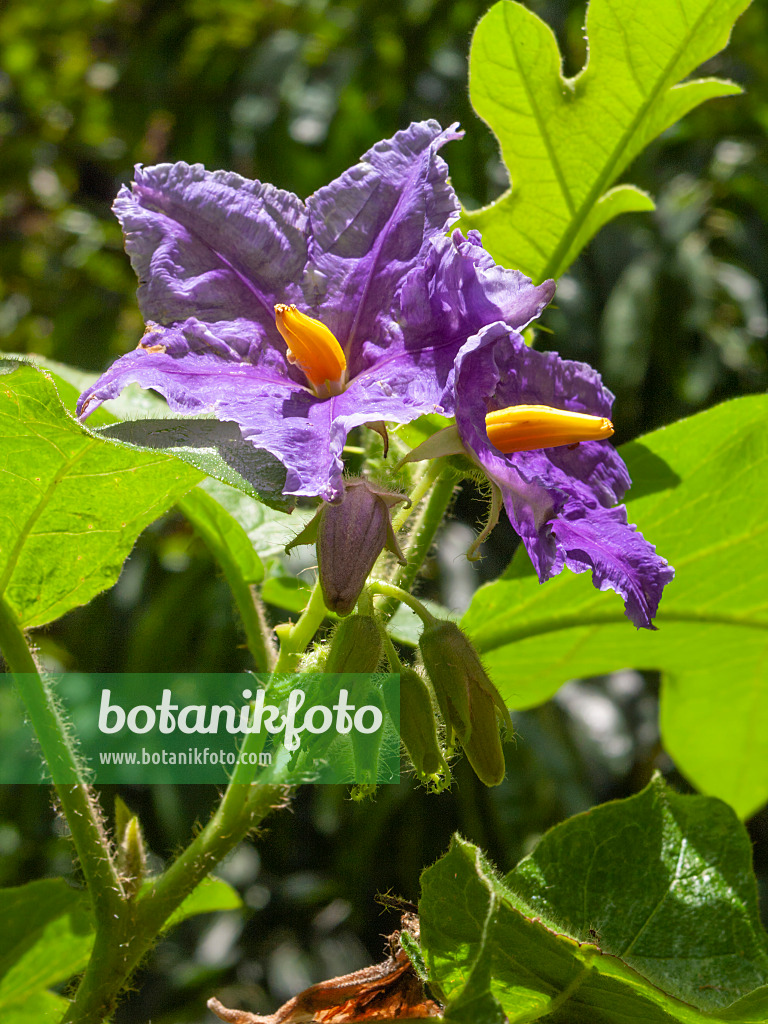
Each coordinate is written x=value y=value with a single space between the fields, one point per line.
x=454 y=293
x=195 y=371
x=619 y=557
x=369 y=229
x=272 y=411
x=558 y=500
x=212 y=245
x=496 y=369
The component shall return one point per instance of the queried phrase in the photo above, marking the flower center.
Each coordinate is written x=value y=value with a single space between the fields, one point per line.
x=314 y=349
x=523 y=428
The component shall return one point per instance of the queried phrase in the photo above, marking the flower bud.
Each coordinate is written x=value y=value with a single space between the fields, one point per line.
x=469 y=702
x=484 y=748
x=350 y=535
x=366 y=746
x=356 y=646
x=131 y=854
x=315 y=658
x=418 y=728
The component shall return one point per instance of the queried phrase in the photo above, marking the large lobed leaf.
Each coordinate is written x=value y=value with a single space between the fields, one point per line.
x=699 y=494
x=640 y=910
x=565 y=141
x=73 y=504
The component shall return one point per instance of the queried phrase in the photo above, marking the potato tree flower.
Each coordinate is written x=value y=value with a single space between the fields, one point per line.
x=560 y=497
x=299 y=321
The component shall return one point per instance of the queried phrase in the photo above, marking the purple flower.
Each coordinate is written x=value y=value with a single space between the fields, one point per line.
x=562 y=501
x=364 y=265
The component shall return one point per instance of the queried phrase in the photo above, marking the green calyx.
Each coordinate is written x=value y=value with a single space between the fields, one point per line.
x=356 y=646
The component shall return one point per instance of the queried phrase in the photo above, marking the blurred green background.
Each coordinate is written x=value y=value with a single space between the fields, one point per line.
x=671 y=308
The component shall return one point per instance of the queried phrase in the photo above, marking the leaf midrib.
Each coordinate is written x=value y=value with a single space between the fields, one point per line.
x=608 y=174
x=489 y=640
x=541 y=125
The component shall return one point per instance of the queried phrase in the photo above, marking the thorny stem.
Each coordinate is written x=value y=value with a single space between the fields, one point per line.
x=125 y=929
x=75 y=796
x=393 y=660
x=241 y=810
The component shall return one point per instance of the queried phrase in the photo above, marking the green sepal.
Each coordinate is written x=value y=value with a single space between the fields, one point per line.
x=131 y=851
x=356 y=646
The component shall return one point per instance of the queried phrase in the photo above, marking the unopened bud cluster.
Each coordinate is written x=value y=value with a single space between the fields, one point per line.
x=350 y=535
x=470 y=704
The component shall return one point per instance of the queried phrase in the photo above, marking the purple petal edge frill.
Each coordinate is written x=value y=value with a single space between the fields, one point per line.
x=561 y=501
x=367 y=255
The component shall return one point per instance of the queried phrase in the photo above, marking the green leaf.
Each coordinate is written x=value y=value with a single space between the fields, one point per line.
x=40 y=1007
x=224 y=534
x=566 y=141
x=287 y=592
x=699 y=494
x=269 y=529
x=665 y=883
x=73 y=503
x=419 y=430
x=405 y=626
x=218 y=449
x=212 y=894
x=46 y=938
x=133 y=402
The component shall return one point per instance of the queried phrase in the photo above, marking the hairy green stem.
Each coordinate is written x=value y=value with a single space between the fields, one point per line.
x=241 y=810
x=76 y=798
x=428 y=518
x=395 y=593
x=125 y=929
x=193 y=506
x=295 y=639
x=431 y=472
x=393 y=659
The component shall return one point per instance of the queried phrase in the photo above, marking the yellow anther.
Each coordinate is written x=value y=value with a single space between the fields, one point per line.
x=313 y=348
x=523 y=428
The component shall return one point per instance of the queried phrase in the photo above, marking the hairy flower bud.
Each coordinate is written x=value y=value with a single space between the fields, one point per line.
x=356 y=646
x=367 y=746
x=418 y=728
x=350 y=536
x=131 y=854
x=469 y=702
x=315 y=658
